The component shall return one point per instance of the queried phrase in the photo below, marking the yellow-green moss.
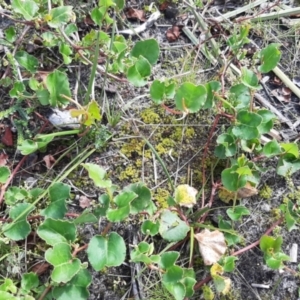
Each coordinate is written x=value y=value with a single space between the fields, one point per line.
x=150 y=117
x=134 y=146
x=161 y=196
x=266 y=192
x=164 y=146
x=131 y=173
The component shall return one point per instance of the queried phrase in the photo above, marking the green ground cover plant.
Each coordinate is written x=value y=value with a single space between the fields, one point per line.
x=44 y=209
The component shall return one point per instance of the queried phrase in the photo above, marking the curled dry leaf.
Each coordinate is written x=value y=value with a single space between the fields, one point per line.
x=135 y=14
x=247 y=191
x=185 y=195
x=49 y=161
x=173 y=34
x=212 y=245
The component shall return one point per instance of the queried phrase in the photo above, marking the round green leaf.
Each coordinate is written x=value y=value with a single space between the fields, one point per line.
x=157 y=91
x=4 y=174
x=107 y=251
x=148 y=49
x=271 y=148
x=168 y=259
x=150 y=228
x=269 y=56
x=29 y=62
x=190 y=98
x=173 y=274
x=171 y=227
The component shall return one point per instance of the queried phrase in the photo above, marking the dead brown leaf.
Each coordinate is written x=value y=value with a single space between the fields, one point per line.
x=84 y=201
x=49 y=161
x=173 y=34
x=40 y=268
x=7 y=138
x=247 y=191
x=3 y=159
x=212 y=245
x=135 y=14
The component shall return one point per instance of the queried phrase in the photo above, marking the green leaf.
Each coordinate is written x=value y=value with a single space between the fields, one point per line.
x=231 y=237
x=123 y=203
x=288 y=165
x=247 y=125
x=171 y=227
x=150 y=228
x=267 y=121
x=291 y=148
x=137 y=73
x=229 y=263
x=189 y=284
x=190 y=98
x=85 y=217
x=271 y=148
x=59 y=16
x=241 y=96
x=168 y=259
x=43 y=96
x=143 y=199
x=10 y=34
x=7 y=296
x=211 y=88
x=65 y=266
x=227 y=146
x=17 y=90
x=18 y=230
x=237 y=212
x=231 y=179
x=268 y=242
x=107 y=251
x=57 y=231
x=14 y=194
x=8 y=286
x=149 y=49
x=29 y=281
x=157 y=91
x=269 y=56
x=29 y=62
x=27 y=8
x=58 y=194
x=119 y=3
x=57 y=84
x=77 y=288
x=176 y=289
x=249 y=79
x=173 y=274
x=4 y=174
x=65 y=50
x=97 y=174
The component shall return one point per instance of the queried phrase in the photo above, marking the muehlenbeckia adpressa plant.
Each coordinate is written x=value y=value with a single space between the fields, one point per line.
x=70 y=275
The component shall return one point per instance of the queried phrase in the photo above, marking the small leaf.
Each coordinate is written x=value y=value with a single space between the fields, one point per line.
x=4 y=174
x=58 y=194
x=211 y=88
x=29 y=281
x=157 y=91
x=189 y=98
x=150 y=228
x=270 y=57
x=29 y=62
x=291 y=148
x=65 y=266
x=59 y=16
x=57 y=84
x=249 y=79
x=271 y=148
x=97 y=174
x=77 y=288
x=212 y=245
x=168 y=259
x=19 y=229
x=27 y=8
x=57 y=231
x=173 y=274
x=148 y=49
x=137 y=73
x=237 y=212
x=107 y=251
x=241 y=96
x=171 y=227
